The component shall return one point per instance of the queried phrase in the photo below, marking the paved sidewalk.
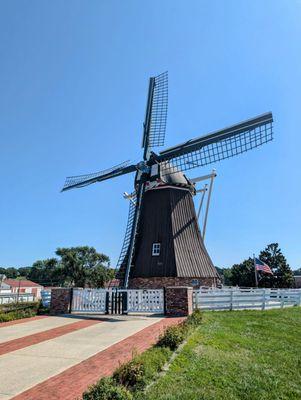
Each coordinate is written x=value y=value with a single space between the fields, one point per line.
x=28 y=326
x=53 y=346
x=20 y=343
x=70 y=384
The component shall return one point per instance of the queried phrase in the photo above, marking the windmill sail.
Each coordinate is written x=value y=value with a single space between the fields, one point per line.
x=156 y=112
x=84 y=180
x=219 y=145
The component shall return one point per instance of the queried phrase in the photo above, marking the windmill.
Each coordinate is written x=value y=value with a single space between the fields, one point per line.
x=163 y=243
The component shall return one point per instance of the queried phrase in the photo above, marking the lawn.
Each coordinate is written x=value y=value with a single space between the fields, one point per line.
x=249 y=355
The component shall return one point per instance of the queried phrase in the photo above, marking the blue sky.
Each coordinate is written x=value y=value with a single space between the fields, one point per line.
x=73 y=83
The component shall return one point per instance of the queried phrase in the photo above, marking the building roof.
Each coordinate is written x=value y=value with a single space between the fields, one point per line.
x=21 y=283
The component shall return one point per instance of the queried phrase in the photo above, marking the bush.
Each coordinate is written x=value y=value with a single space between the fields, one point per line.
x=12 y=311
x=106 y=389
x=195 y=318
x=42 y=310
x=173 y=337
x=130 y=374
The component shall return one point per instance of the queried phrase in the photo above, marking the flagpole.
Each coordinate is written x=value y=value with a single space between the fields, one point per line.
x=256 y=281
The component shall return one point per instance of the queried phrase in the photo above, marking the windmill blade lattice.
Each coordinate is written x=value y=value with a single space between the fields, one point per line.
x=218 y=146
x=84 y=180
x=156 y=112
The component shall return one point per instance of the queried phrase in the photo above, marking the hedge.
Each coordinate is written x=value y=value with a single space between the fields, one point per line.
x=12 y=311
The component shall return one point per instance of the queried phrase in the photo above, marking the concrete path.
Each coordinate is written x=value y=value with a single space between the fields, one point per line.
x=25 y=328
x=53 y=345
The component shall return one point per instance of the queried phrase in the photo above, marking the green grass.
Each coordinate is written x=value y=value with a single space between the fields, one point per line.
x=249 y=355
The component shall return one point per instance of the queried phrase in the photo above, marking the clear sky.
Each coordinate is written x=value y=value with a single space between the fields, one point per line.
x=73 y=84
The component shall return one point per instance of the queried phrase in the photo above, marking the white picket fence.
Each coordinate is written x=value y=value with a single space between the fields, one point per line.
x=248 y=299
x=7 y=298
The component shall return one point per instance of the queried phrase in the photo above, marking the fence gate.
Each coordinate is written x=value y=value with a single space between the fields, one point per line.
x=116 y=301
x=89 y=300
x=145 y=301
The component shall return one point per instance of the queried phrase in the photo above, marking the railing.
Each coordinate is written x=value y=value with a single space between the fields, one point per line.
x=7 y=298
x=238 y=299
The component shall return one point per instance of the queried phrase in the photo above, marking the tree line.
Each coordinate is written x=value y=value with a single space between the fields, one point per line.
x=75 y=266
x=243 y=274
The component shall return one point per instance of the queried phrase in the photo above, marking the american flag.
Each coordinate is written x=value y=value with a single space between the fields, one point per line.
x=261 y=266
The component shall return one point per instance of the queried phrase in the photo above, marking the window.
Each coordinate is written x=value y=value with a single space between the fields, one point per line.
x=156 y=249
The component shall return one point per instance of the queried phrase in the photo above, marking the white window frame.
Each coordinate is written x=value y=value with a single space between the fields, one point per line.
x=156 y=249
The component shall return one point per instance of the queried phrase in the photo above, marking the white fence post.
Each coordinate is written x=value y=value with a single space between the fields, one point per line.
x=263 y=300
x=282 y=298
x=231 y=300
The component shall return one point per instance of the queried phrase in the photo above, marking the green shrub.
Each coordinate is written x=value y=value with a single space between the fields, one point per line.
x=106 y=389
x=12 y=311
x=43 y=310
x=173 y=336
x=131 y=374
x=195 y=318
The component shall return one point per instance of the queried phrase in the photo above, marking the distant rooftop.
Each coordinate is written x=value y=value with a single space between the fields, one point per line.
x=21 y=283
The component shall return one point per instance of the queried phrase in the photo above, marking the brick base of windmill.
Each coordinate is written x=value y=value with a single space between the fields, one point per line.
x=163 y=282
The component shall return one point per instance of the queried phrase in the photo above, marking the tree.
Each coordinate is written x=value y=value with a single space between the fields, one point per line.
x=225 y=275
x=297 y=272
x=24 y=272
x=47 y=272
x=79 y=264
x=282 y=274
x=9 y=272
x=243 y=274
x=99 y=275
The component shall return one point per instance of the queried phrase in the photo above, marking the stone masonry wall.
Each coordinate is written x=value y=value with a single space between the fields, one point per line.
x=160 y=282
x=60 y=301
x=178 y=301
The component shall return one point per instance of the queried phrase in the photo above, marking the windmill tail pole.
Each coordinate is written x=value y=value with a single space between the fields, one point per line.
x=202 y=200
x=213 y=175
x=255 y=272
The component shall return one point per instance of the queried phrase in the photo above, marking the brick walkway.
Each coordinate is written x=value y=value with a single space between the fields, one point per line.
x=71 y=383
x=30 y=340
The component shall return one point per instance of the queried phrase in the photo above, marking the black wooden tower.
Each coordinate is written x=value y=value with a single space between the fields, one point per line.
x=163 y=244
